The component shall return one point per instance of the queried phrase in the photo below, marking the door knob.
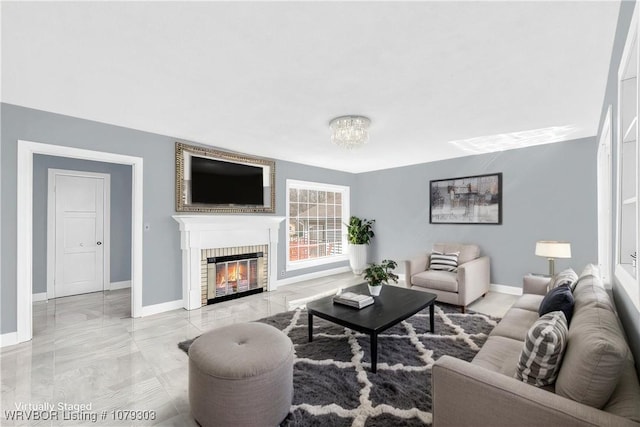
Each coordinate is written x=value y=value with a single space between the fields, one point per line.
x=99 y=243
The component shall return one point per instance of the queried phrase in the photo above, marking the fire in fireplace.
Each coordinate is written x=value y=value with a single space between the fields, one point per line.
x=233 y=276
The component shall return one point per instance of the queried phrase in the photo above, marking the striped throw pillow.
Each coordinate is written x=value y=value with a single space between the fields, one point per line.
x=444 y=262
x=565 y=277
x=543 y=349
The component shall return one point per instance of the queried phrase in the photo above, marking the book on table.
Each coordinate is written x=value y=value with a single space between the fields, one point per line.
x=353 y=300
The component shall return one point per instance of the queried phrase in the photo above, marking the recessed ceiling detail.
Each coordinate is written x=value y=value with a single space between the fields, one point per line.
x=513 y=140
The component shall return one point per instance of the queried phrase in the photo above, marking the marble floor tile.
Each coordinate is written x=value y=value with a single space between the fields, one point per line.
x=86 y=349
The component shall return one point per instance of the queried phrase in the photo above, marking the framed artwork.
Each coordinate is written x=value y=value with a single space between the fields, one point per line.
x=466 y=200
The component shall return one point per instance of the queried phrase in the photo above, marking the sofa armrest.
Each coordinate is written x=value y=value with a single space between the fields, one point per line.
x=473 y=279
x=465 y=394
x=535 y=284
x=415 y=265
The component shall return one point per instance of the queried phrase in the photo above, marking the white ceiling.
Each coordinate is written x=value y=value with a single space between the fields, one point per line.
x=265 y=78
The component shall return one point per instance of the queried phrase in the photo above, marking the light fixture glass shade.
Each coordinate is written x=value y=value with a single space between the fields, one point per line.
x=350 y=131
x=553 y=249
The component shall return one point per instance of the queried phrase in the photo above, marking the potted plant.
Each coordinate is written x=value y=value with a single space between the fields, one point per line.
x=377 y=274
x=359 y=234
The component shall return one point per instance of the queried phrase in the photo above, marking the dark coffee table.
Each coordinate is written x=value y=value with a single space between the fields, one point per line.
x=390 y=308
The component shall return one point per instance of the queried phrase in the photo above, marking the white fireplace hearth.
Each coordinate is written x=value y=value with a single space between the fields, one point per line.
x=201 y=232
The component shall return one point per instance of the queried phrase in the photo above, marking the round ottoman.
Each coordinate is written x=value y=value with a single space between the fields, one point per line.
x=241 y=375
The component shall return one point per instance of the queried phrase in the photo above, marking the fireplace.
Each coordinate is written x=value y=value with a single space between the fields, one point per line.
x=208 y=236
x=234 y=276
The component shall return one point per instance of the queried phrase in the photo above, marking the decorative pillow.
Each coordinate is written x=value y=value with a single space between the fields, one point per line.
x=559 y=298
x=444 y=262
x=565 y=277
x=543 y=348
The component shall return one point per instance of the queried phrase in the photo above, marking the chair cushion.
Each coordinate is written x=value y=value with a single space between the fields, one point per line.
x=559 y=298
x=433 y=279
x=443 y=262
x=542 y=352
x=467 y=252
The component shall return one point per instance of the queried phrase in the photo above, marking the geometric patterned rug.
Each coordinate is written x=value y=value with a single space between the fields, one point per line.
x=333 y=384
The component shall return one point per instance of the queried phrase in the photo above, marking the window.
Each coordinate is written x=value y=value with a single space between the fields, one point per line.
x=316 y=214
x=627 y=202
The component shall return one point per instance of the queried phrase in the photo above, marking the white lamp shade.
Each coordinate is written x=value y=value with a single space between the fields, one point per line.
x=553 y=249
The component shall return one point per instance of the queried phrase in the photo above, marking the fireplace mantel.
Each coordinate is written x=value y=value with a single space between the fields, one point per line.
x=199 y=232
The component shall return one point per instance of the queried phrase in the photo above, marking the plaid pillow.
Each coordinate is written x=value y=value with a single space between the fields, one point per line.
x=565 y=277
x=444 y=262
x=543 y=349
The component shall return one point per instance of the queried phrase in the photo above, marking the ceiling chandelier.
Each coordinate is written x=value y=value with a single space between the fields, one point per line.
x=350 y=131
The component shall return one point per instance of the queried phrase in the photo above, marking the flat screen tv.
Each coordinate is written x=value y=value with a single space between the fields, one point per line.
x=214 y=181
x=220 y=182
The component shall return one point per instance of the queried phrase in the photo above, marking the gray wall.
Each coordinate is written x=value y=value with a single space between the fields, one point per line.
x=120 y=213
x=628 y=313
x=161 y=244
x=548 y=193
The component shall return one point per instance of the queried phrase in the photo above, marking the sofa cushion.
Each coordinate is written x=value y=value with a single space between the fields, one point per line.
x=590 y=292
x=433 y=279
x=499 y=354
x=565 y=277
x=443 y=261
x=595 y=357
x=559 y=298
x=515 y=324
x=625 y=400
x=529 y=302
x=589 y=270
x=542 y=352
x=467 y=252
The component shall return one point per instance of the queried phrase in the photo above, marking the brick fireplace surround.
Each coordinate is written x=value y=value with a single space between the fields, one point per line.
x=205 y=232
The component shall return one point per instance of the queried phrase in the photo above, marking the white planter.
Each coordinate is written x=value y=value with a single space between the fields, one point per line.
x=357 y=258
x=375 y=290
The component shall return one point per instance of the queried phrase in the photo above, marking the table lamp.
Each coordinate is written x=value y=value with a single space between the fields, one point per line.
x=551 y=250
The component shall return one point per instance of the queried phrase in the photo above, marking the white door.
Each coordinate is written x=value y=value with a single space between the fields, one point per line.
x=79 y=234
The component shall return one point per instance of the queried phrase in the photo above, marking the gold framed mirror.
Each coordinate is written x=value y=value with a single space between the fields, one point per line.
x=214 y=181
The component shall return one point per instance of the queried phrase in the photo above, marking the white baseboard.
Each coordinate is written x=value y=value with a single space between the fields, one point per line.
x=42 y=296
x=10 y=338
x=504 y=289
x=308 y=276
x=149 y=310
x=120 y=285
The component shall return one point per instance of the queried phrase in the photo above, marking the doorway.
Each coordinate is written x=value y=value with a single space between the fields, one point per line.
x=26 y=151
x=78 y=232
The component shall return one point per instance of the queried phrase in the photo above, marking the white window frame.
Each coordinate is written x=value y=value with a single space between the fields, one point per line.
x=627 y=276
x=605 y=201
x=346 y=202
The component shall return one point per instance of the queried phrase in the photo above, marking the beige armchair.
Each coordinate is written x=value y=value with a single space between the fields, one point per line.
x=462 y=287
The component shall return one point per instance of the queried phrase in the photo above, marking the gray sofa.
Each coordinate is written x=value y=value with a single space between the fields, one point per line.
x=462 y=287
x=597 y=384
